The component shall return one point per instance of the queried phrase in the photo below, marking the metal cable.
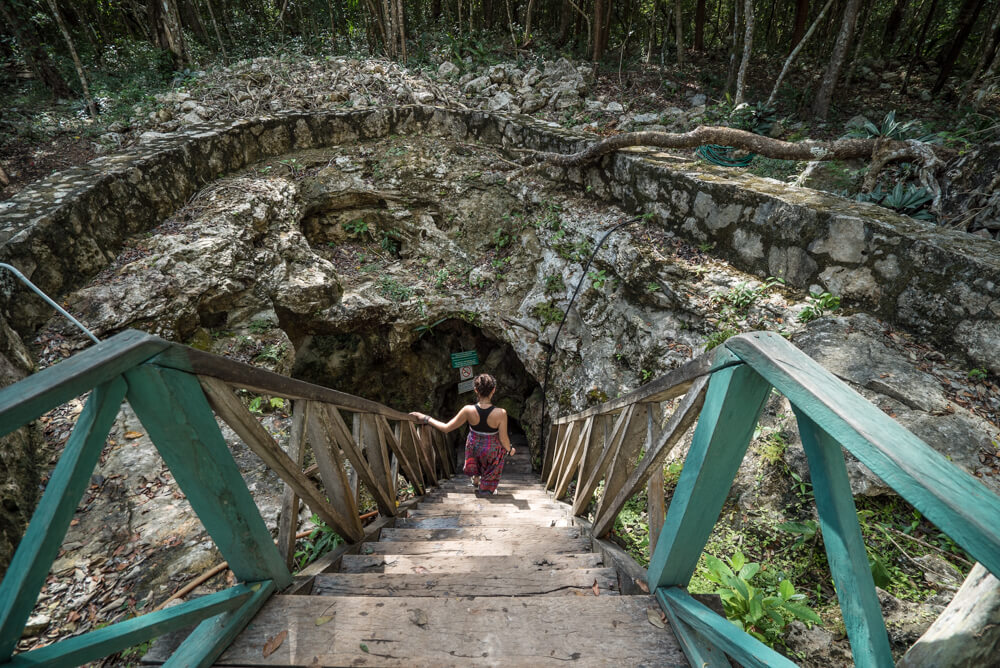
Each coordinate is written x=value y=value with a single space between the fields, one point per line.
x=722 y=156
x=49 y=300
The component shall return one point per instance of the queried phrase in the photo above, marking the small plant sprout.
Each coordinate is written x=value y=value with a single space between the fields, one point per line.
x=977 y=374
x=598 y=278
x=819 y=304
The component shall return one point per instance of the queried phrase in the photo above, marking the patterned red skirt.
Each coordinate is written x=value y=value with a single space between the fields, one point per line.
x=484 y=458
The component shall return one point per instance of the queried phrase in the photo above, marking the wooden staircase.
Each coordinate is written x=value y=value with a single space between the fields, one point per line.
x=508 y=580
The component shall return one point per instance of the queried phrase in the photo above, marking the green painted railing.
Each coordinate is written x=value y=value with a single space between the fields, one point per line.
x=730 y=386
x=173 y=391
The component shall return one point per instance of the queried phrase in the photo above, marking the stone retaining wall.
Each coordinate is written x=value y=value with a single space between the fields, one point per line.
x=942 y=284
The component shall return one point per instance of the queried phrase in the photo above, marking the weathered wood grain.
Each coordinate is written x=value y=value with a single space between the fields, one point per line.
x=331 y=471
x=500 y=583
x=409 y=631
x=519 y=547
x=398 y=563
x=622 y=463
x=593 y=474
x=512 y=533
x=288 y=521
x=456 y=521
x=571 y=462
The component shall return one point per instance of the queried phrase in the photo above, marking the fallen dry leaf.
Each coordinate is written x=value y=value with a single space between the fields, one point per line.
x=419 y=570
x=274 y=643
x=597 y=590
x=320 y=621
x=653 y=615
x=133 y=434
x=641 y=584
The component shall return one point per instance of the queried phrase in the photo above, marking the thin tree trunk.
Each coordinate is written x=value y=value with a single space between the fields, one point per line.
x=821 y=107
x=795 y=52
x=892 y=24
x=741 y=78
x=598 y=37
x=215 y=25
x=34 y=53
x=565 y=21
x=990 y=48
x=699 y=26
x=917 y=46
x=801 y=18
x=852 y=63
x=76 y=58
x=527 y=21
x=679 y=31
x=966 y=20
x=731 y=75
x=978 y=99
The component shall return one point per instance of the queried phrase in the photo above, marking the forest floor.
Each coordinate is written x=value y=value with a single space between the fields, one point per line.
x=39 y=136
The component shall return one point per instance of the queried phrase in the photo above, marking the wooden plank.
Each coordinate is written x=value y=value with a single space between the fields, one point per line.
x=94 y=645
x=952 y=499
x=555 y=433
x=406 y=437
x=172 y=407
x=621 y=465
x=331 y=472
x=540 y=631
x=518 y=546
x=845 y=547
x=742 y=647
x=664 y=388
x=443 y=452
x=655 y=508
x=573 y=459
x=455 y=521
x=33 y=396
x=211 y=638
x=337 y=429
x=568 y=437
x=699 y=651
x=288 y=522
x=481 y=533
x=228 y=406
x=498 y=502
x=410 y=470
x=401 y=563
x=612 y=441
x=262 y=381
x=426 y=461
x=501 y=583
x=44 y=536
x=683 y=417
x=592 y=452
x=734 y=400
x=369 y=438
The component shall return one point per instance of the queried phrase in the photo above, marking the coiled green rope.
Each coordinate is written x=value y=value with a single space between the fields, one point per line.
x=722 y=156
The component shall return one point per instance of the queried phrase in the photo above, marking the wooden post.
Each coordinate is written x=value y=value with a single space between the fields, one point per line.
x=612 y=442
x=331 y=472
x=655 y=509
x=288 y=523
x=734 y=401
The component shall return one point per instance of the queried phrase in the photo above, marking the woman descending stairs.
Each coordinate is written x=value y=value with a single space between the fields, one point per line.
x=506 y=580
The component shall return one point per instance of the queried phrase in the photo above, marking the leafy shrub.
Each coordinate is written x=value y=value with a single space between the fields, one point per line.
x=761 y=611
x=392 y=289
x=909 y=200
x=320 y=541
x=554 y=283
x=818 y=305
x=890 y=129
x=548 y=313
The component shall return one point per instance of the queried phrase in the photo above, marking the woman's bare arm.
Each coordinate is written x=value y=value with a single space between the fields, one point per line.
x=460 y=418
x=504 y=438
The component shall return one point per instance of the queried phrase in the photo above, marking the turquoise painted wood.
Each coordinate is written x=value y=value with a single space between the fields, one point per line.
x=211 y=638
x=698 y=650
x=955 y=501
x=117 y=637
x=40 y=544
x=733 y=403
x=845 y=547
x=743 y=647
x=173 y=409
x=27 y=399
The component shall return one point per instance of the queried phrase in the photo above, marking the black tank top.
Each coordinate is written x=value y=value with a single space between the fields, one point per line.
x=483 y=426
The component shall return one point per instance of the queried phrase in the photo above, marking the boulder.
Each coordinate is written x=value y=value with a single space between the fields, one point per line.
x=698 y=100
x=448 y=70
x=477 y=85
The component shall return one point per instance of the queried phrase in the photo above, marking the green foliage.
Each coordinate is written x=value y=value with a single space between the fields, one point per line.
x=391 y=241
x=757 y=118
x=320 y=541
x=392 y=289
x=632 y=528
x=818 y=304
x=356 y=228
x=652 y=287
x=554 y=283
x=773 y=448
x=424 y=329
x=977 y=374
x=805 y=530
x=774 y=168
x=258 y=405
x=719 y=337
x=889 y=129
x=441 y=277
x=598 y=279
x=501 y=238
x=909 y=200
x=272 y=352
x=763 y=611
x=548 y=313
x=596 y=396
x=261 y=326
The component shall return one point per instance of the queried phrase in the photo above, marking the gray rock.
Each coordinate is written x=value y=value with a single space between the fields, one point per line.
x=532 y=77
x=561 y=69
x=503 y=101
x=477 y=85
x=533 y=103
x=448 y=70
x=466 y=78
x=614 y=108
x=188 y=105
x=645 y=119
x=497 y=74
x=855 y=123
x=423 y=97
x=698 y=100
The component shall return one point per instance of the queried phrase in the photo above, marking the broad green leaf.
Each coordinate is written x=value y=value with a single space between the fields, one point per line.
x=749 y=570
x=738 y=560
x=741 y=587
x=756 y=609
x=802 y=612
x=786 y=589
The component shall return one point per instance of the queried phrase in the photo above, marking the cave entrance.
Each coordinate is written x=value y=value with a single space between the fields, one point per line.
x=411 y=371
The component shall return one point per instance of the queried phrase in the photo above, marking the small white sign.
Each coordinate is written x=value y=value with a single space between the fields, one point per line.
x=465 y=386
x=465 y=373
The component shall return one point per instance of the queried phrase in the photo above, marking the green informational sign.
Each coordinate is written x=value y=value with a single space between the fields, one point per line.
x=467 y=358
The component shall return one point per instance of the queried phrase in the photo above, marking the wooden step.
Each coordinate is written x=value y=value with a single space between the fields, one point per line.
x=500 y=501
x=497 y=583
x=504 y=494
x=396 y=563
x=517 y=546
x=503 y=534
x=473 y=520
x=440 y=510
x=413 y=631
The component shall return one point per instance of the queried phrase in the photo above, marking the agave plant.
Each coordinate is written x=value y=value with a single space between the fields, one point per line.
x=892 y=129
x=908 y=200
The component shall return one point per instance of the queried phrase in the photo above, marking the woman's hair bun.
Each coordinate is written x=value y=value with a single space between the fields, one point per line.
x=484 y=384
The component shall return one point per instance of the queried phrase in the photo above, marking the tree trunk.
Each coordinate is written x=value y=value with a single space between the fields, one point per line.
x=215 y=25
x=192 y=19
x=967 y=16
x=821 y=107
x=992 y=40
x=679 y=31
x=565 y=21
x=699 y=26
x=917 y=46
x=731 y=76
x=741 y=78
x=892 y=24
x=435 y=10
x=598 y=36
x=34 y=52
x=76 y=58
x=801 y=18
x=165 y=22
x=795 y=52
x=527 y=21
x=852 y=63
